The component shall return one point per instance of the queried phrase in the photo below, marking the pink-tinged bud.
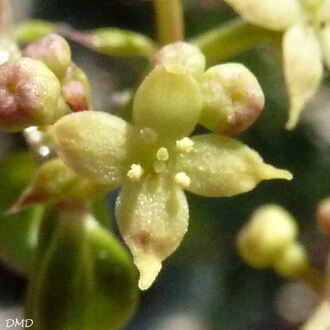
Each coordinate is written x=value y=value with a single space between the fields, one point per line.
x=29 y=95
x=233 y=99
x=74 y=95
x=52 y=50
x=323 y=217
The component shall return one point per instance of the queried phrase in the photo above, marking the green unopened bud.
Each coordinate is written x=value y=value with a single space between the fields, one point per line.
x=8 y=49
x=29 y=95
x=182 y=53
x=265 y=237
x=293 y=262
x=115 y=42
x=52 y=50
x=54 y=182
x=323 y=217
x=233 y=99
x=32 y=30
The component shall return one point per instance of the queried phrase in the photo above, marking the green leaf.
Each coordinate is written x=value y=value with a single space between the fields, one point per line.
x=19 y=238
x=169 y=101
x=220 y=166
x=18 y=232
x=54 y=182
x=84 y=280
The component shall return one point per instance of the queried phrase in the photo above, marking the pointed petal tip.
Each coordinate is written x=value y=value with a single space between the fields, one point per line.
x=28 y=198
x=149 y=267
x=272 y=173
x=294 y=114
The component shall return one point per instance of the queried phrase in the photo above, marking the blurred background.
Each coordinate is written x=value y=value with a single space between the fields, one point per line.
x=204 y=284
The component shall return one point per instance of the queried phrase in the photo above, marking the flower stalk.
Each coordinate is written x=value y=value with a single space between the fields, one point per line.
x=169 y=20
x=232 y=39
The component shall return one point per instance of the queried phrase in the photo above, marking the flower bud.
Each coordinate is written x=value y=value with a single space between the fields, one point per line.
x=115 y=42
x=32 y=30
x=29 y=95
x=74 y=94
x=8 y=49
x=182 y=53
x=293 y=262
x=323 y=216
x=54 y=182
x=233 y=99
x=52 y=50
x=263 y=239
x=76 y=89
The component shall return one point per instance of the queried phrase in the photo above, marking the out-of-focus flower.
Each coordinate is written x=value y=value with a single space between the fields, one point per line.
x=306 y=42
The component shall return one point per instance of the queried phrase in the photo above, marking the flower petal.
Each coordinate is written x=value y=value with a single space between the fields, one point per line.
x=270 y=14
x=168 y=101
x=152 y=216
x=302 y=67
x=221 y=166
x=95 y=145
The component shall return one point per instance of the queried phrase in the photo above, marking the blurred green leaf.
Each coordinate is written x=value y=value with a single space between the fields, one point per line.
x=32 y=30
x=84 y=280
x=18 y=232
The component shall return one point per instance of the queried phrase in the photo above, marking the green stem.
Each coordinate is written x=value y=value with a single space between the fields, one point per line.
x=232 y=39
x=169 y=18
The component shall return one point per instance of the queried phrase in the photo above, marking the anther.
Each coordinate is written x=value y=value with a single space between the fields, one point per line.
x=184 y=145
x=135 y=173
x=182 y=179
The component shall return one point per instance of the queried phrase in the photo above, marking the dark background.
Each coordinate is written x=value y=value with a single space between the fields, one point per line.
x=204 y=284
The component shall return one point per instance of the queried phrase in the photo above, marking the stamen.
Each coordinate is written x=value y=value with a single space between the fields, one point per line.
x=135 y=173
x=182 y=179
x=184 y=145
x=162 y=154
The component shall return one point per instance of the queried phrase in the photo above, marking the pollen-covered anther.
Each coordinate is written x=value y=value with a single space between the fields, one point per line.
x=135 y=173
x=184 y=145
x=162 y=154
x=182 y=179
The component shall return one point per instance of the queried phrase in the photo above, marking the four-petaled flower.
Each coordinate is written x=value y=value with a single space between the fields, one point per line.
x=306 y=42
x=153 y=160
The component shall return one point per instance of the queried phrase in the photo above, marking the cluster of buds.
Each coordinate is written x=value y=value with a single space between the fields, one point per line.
x=38 y=85
x=268 y=239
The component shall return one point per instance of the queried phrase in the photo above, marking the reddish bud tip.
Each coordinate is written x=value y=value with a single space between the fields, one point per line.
x=74 y=94
x=323 y=216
